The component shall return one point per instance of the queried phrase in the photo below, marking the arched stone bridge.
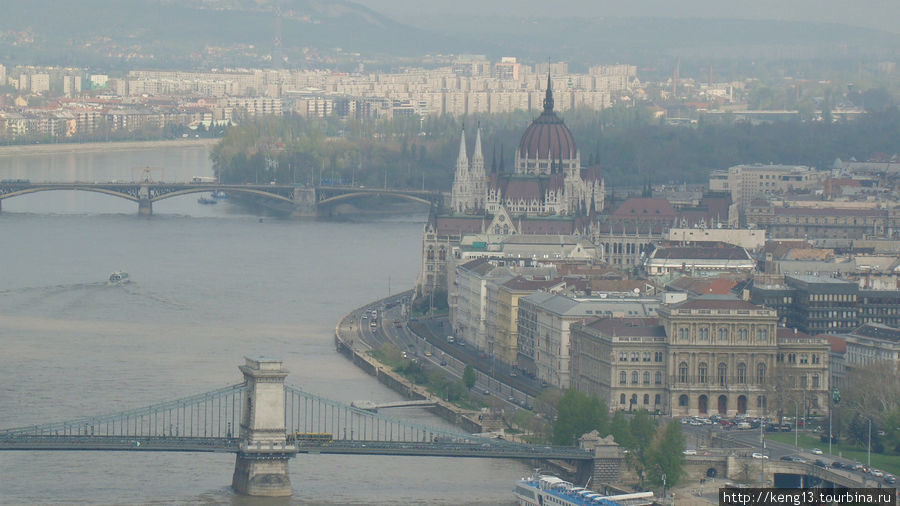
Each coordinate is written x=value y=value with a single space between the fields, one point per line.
x=305 y=201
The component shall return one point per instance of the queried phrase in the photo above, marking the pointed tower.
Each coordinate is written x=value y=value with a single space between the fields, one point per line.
x=478 y=181
x=460 y=191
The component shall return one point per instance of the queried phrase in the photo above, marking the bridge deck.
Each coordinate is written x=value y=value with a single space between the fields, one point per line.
x=501 y=449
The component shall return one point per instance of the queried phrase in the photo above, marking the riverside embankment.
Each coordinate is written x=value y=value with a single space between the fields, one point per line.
x=350 y=341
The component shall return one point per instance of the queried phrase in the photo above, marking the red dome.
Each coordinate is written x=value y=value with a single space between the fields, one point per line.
x=547 y=138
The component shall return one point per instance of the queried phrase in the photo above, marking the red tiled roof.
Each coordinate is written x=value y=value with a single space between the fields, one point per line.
x=459 y=225
x=838 y=344
x=792 y=334
x=649 y=208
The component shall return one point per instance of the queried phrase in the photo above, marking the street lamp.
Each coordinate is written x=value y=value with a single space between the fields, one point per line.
x=869 y=451
x=796 y=424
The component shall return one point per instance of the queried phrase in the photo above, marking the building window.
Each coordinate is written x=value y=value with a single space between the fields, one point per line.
x=646 y=356
x=658 y=356
x=815 y=381
x=702 y=372
x=622 y=399
x=658 y=378
x=803 y=381
x=703 y=333
x=683 y=333
x=682 y=372
x=761 y=373
x=623 y=356
x=762 y=334
x=742 y=373
x=635 y=356
x=792 y=358
x=623 y=377
x=723 y=334
x=646 y=377
x=804 y=358
x=743 y=334
x=723 y=374
x=761 y=402
x=646 y=399
x=656 y=399
x=634 y=377
x=683 y=401
x=815 y=358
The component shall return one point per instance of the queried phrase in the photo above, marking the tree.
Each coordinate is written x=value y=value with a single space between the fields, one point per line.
x=620 y=431
x=642 y=429
x=666 y=457
x=469 y=376
x=578 y=414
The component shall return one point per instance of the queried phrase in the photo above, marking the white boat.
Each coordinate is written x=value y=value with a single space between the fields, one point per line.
x=219 y=194
x=545 y=490
x=118 y=277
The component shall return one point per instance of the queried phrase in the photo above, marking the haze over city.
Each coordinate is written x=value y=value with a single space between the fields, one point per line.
x=403 y=252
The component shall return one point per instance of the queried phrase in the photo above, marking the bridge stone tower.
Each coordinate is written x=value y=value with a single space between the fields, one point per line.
x=261 y=466
x=145 y=205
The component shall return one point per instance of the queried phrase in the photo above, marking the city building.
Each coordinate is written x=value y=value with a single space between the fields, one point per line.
x=705 y=355
x=544 y=327
x=698 y=258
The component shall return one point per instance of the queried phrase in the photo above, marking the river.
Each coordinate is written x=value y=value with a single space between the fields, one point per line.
x=209 y=285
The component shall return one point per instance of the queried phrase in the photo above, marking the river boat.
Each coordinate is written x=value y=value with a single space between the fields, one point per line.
x=547 y=490
x=207 y=201
x=118 y=277
x=219 y=195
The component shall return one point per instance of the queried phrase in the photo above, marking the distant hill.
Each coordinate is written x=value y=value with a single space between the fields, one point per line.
x=216 y=33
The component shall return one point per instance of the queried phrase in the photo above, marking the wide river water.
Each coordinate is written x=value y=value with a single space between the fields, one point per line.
x=209 y=285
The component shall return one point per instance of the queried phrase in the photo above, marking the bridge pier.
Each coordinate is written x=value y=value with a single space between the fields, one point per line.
x=145 y=205
x=261 y=465
x=304 y=202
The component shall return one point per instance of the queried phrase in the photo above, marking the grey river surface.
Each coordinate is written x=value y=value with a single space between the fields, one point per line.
x=209 y=285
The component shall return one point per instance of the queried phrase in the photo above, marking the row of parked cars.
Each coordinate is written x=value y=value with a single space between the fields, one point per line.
x=739 y=422
x=837 y=464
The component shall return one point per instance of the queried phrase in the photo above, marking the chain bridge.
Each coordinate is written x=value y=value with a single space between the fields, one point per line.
x=302 y=200
x=265 y=423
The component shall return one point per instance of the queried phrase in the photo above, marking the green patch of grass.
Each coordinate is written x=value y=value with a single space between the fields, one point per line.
x=887 y=463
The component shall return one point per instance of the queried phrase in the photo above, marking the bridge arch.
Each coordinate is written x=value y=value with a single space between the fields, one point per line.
x=229 y=189
x=106 y=191
x=385 y=193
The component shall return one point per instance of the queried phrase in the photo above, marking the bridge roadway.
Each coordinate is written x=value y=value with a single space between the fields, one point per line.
x=304 y=200
x=342 y=447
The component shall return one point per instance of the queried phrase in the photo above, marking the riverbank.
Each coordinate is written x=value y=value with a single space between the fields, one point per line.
x=356 y=350
x=87 y=147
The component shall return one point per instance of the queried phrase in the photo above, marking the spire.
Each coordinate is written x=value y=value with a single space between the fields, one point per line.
x=462 y=160
x=477 y=155
x=548 y=98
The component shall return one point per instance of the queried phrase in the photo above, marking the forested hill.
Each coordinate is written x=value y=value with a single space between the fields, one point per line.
x=625 y=143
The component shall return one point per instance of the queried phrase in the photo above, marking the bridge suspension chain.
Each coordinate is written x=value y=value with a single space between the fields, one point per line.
x=312 y=414
x=215 y=414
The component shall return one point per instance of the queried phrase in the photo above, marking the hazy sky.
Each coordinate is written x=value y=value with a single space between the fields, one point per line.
x=880 y=14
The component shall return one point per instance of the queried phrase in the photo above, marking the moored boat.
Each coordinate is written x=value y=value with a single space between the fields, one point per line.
x=544 y=490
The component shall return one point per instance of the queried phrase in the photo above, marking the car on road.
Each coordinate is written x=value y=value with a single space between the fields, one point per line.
x=890 y=480
x=690 y=452
x=486 y=392
x=427 y=353
x=817 y=451
x=876 y=473
x=756 y=455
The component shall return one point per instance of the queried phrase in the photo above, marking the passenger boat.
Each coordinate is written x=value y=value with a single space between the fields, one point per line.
x=204 y=200
x=546 y=490
x=118 y=277
x=219 y=194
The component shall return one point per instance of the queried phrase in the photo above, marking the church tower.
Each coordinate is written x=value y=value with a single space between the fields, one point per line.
x=469 y=182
